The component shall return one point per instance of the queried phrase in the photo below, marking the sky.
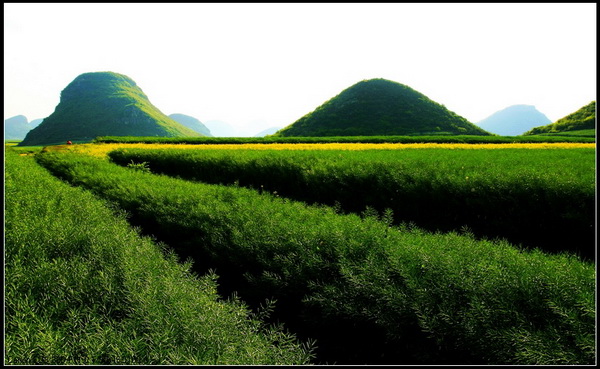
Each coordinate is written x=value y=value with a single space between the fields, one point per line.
x=259 y=65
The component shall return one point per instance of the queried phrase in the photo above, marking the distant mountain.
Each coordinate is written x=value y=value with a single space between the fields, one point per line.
x=103 y=104
x=584 y=118
x=219 y=128
x=16 y=128
x=192 y=123
x=514 y=120
x=268 y=131
x=380 y=107
x=34 y=123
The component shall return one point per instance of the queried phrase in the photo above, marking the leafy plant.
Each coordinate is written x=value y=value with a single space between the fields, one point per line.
x=142 y=167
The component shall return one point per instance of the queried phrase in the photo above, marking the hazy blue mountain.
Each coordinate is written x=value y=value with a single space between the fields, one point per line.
x=268 y=131
x=103 y=104
x=514 y=120
x=36 y=122
x=219 y=128
x=16 y=128
x=192 y=123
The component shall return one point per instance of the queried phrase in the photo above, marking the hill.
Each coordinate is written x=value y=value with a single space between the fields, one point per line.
x=16 y=128
x=103 y=104
x=192 y=123
x=268 y=131
x=582 y=119
x=380 y=107
x=36 y=122
x=219 y=128
x=514 y=120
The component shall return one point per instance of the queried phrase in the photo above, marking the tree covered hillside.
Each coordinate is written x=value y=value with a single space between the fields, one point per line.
x=584 y=118
x=103 y=104
x=380 y=107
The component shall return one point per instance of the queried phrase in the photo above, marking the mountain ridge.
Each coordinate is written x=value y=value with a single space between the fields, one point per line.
x=582 y=119
x=513 y=120
x=15 y=128
x=103 y=104
x=192 y=123
x=380 y=107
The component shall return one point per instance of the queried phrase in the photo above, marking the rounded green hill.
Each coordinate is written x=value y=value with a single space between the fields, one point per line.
x=582 y=119
x=379 y=107
x=103 y=104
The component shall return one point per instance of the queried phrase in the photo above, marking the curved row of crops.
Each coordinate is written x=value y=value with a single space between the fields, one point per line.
x=538 y=198
x=368 y=291
x=83 y=288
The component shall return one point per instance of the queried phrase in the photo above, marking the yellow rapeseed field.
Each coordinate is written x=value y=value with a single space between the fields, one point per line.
x=100 y=150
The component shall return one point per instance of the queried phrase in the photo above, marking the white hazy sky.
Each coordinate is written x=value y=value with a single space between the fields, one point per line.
x=257 y=66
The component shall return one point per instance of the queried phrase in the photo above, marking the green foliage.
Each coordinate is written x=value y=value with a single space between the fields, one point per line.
x=582 y=119
x=343 y=139
x=539 y=198
x=143 y=167
x=380 y=107
x=369 y=292
x=11 y=142
x=83 y=288
x=103 y=103
x=576 y=133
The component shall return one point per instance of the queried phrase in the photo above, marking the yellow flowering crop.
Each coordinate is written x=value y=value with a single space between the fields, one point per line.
x=101 y=149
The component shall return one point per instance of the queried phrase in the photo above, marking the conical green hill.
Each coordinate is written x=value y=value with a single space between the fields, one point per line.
x=379 y=107
x=582 y=119
x=103 y=104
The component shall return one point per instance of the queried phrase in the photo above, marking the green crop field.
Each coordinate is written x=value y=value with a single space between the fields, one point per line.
x=349 y=139
x=223 y=256
x=577 y=133
x=535 y=197
x=83 y=288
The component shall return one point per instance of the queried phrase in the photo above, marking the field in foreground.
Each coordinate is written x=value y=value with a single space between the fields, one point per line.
x=83 y=288
x=367 y=290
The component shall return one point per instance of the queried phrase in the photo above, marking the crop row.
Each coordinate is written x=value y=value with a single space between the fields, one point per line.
x=83 y=288
x=345 y=139
x=538 y=198
x=367 y=291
